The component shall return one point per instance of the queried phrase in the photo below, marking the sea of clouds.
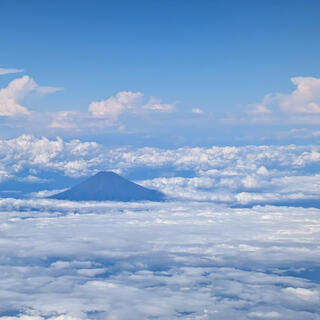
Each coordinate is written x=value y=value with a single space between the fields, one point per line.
x=172 y=260
x=199 y=255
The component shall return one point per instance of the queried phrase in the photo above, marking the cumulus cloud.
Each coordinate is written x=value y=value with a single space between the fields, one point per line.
x=304 y=99
x=107 y=113
x=301 y=105
x=114 y=106
x=4 y=71
x=173 y=260
x=35 y=154
x=16 y=91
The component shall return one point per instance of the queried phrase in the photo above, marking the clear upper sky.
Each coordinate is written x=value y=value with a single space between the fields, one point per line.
x=205 y=69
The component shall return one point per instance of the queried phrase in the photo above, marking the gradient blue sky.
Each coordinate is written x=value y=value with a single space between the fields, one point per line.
x=222 y=57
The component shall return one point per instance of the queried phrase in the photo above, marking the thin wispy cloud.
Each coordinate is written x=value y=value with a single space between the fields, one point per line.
x=197 y=111
x=4 y=71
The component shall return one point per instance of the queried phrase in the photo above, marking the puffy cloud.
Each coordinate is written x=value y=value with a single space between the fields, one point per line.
x=107 y=113
x=13 y=94
x=302 y=105
x=304 y=99
x=231 y=175
x=114 y=106
x=4 y=71
x=29 y=153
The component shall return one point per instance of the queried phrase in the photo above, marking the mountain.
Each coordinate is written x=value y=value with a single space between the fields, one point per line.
x=107 y=185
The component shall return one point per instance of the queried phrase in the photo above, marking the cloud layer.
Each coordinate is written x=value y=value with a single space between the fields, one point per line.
x=190 y=260
x=231 y=175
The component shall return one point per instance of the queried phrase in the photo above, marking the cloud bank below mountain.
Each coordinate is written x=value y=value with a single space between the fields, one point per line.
x=173 y=260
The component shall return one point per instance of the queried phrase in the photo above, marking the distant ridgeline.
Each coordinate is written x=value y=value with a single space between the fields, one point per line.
x=110 y=186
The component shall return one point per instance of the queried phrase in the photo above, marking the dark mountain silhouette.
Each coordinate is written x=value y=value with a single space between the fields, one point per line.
x=109 y=186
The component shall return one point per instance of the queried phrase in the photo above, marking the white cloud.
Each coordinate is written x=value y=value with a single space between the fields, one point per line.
x=302 y=105
x=29 y=153
x=33 y=179
x=13 y=94
x=304 y=99
x=4 y=71
x=231 y=175
x=156 y=105
x=265 y=315
x=197 y=111
x=304 y=294
x=107 y=113
x=46 y=193
x=114 y=106
x=173 y=260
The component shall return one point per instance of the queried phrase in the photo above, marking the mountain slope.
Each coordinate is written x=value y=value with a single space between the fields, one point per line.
x=109 y=186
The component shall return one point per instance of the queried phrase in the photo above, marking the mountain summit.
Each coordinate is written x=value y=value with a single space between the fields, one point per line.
x=108 y=186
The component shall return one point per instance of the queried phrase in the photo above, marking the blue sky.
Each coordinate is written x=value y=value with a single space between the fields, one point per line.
x=218 y=58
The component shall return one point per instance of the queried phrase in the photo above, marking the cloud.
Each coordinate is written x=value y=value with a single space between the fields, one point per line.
x=190 y=257
x=107 y=113
x=46 y=193
x=69 y=120
x=197 y=111
x=33 y=179
x=231 y=175
x=156 y=105
x=114 y=106
x=4 y=71
x=260 y=110
x=173 y=260
x=33 y=154
x=15 y=92
x=302 y=105
x=304 y=99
